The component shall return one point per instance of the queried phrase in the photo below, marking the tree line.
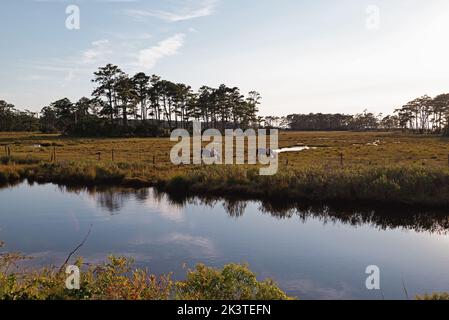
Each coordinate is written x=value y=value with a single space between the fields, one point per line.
x=144 y=105
x=148 y=105
x=421 y=115
x=333 y=122
x=12 y=119
x=425 y=114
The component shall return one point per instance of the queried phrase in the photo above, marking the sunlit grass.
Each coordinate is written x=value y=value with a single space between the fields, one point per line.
x=385 y=167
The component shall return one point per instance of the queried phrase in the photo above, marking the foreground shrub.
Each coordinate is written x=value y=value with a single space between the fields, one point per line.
x=434 y=296
x=110 y=281
x=233 y=282
x=117 y=280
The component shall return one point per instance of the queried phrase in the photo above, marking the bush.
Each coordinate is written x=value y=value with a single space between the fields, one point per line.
x=113 y=280
x=116 y=280
x=434 y=296
x=233 y=282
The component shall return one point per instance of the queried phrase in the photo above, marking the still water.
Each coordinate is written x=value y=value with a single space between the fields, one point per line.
x=313 y=253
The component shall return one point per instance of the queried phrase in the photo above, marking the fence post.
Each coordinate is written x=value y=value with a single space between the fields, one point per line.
x=99 y=156
x=6 y=150
x=341 y=159
x=54 y=154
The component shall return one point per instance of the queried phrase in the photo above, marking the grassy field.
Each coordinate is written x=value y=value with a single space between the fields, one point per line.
x=358 y=148
x=385 y=167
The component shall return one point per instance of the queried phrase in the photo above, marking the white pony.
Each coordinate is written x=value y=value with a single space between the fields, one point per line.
x=211 y=154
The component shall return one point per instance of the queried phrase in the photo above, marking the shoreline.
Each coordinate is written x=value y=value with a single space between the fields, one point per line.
x=396 y=187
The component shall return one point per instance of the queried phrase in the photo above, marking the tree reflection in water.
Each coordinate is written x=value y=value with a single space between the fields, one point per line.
x=382 y=217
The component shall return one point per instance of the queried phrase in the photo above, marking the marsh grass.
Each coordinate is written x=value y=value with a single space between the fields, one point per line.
x=397 y=169
x=394 y=184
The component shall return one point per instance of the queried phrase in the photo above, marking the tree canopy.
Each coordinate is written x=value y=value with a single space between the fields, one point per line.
x=145 y=105
x=148 y=105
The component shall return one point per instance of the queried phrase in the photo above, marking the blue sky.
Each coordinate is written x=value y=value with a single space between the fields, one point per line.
x=302 y=56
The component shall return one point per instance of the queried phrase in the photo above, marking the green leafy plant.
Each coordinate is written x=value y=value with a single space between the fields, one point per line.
x=117 y=280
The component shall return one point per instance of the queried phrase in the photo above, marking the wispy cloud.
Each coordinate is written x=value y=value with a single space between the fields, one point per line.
x=194 y=243
x=180 y=241
x=132 y=55
x=132 y=52
x=98 y=50
x=186 y=10
x=148 y=58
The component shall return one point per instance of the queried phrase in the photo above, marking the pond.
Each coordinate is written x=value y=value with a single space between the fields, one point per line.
x=312 y=252
x=293 y=149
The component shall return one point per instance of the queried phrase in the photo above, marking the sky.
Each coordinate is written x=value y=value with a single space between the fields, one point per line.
x=302 y=55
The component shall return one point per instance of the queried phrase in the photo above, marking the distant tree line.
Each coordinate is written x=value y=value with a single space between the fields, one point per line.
x=144 y=105
x=333 y=122
x=12 y=119
x=421 y=115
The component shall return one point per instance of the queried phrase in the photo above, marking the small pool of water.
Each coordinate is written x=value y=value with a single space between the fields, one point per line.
x=293 y=149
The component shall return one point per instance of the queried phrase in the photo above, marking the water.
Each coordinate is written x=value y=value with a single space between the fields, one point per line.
x=313 y=253
x=293 y=149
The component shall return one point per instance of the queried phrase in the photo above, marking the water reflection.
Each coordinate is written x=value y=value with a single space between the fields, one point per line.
x=312 y=250
x=113 y=199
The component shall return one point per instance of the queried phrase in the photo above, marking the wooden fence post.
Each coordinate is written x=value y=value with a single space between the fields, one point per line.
x=54 y=154
x=341 y=159
x=99 y=156
x=6 y=150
